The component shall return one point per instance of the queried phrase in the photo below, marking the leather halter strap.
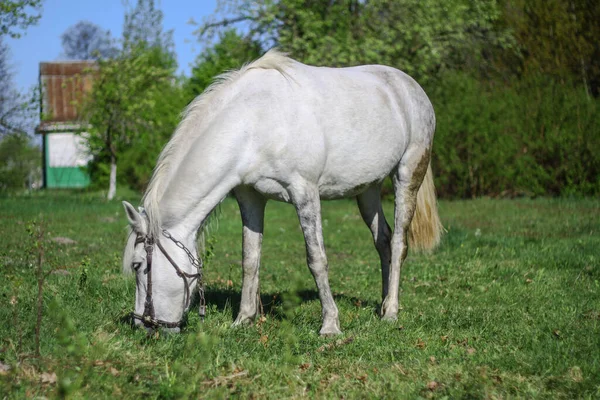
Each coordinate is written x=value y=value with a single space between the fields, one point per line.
x=148 y=318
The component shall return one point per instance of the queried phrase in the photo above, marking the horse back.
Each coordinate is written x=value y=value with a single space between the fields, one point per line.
x=343 y=129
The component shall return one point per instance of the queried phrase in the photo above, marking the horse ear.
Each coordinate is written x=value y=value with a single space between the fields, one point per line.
x=135 y=219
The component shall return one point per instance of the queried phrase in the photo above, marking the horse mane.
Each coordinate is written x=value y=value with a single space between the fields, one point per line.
x=200 y=111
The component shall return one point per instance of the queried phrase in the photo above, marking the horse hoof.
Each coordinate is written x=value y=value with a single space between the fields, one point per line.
x=389 y=310
x=390 y=317
x=242 y=321
x=330 y=331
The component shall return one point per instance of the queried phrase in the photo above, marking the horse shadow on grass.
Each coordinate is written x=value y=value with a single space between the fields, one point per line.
x=276 y=305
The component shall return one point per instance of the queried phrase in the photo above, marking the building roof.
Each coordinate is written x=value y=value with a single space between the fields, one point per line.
x=63 y=84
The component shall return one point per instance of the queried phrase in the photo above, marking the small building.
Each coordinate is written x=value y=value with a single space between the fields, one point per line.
x=64 y=148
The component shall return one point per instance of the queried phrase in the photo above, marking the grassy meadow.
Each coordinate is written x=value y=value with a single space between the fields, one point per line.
x=507 y=307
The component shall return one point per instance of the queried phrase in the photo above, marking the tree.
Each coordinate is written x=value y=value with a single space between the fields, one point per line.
x=425 y=38
x=20 y=162
x=122 y=105
x=144 y=26
x=558 y=38
x=19 y=158
x=15 y=111
x=138 y=159
x=17 y=15
x=316 y=32
x=421 y=37
x=87 y=41
x=127 y=106
x=8 y=105
x=230 y=52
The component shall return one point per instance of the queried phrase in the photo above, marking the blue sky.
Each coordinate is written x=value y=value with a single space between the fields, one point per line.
x=42 y=41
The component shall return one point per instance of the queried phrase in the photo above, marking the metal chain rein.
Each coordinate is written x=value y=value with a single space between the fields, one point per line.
x=198 y=264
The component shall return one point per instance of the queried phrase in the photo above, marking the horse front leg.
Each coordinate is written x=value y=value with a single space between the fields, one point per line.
x=252 y=209
x=308 y=207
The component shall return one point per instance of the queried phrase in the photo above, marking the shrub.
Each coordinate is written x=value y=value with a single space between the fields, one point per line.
x=536 y=137
x=19 y=162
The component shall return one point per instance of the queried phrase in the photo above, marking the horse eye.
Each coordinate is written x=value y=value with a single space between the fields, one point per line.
x=136 y=265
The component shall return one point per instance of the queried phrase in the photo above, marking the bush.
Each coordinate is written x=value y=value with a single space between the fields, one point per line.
x=19 y=162
x=536 y=137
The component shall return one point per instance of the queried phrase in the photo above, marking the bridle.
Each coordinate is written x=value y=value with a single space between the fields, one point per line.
x=148 y=318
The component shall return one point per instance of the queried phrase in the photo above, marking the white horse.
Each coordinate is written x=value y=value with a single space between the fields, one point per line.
x=279 y=129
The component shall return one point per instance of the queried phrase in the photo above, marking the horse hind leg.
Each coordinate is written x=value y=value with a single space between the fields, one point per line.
x=308 y=206
x=369 y=204
x=252 y=209
x=406 y=180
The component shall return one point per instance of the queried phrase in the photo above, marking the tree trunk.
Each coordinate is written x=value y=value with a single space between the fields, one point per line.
x=112 y=188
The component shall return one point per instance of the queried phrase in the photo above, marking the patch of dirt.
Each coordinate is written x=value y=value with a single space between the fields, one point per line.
x=60 y=272
x=63 y=240
x=48 y=378
x=4 y=368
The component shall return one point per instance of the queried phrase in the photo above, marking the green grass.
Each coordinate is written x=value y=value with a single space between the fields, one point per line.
x=509 y=306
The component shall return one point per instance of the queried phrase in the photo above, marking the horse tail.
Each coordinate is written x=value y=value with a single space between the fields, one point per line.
x=425 y=231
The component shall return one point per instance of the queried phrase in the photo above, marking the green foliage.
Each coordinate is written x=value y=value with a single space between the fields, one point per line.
x=321 y=33
x=558 y=39
x=17 y=15
x=144 y=25
x=508 y=307
x=419 y=37
x=135 y=107
x=512 y=140
x=122 y=103
x=20 y=162
x=138 y=160
x=230 y=52
x=426 y=38
x=136 y=99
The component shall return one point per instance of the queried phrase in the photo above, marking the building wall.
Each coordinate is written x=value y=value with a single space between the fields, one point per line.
x=63 y=85
x=66 y=158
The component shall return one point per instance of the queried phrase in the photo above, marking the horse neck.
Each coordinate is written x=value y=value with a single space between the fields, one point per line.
x=199 y=172
x=187 y=202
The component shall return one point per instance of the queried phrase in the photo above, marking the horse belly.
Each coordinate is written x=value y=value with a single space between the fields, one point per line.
x=366 y=131
x=272 y=189
x=354 y=165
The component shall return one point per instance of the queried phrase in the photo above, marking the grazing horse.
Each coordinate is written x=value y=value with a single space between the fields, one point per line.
x=279 y=129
